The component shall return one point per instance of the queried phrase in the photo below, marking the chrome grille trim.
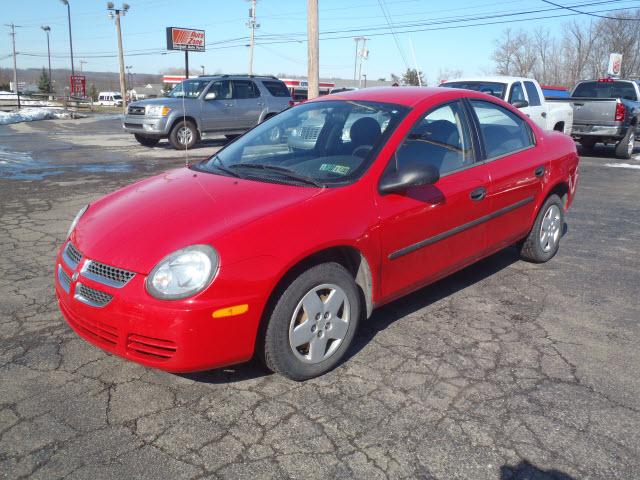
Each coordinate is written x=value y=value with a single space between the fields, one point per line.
x=91 y=296
x=106 y=274
x=135 y=110
x=64 y=279
x=71 y=256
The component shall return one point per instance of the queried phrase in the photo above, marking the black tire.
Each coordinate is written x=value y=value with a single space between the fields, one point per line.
x=278 y=354
x=174 y=135
x=588 y=143
x=146 y=141
x=530 y=248
x=624 y=148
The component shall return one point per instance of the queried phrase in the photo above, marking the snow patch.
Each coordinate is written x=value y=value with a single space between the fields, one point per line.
x=622 y=165
x=31 y=114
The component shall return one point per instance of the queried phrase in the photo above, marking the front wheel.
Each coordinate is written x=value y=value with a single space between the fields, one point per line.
x=313 y=323
x=543 y=240
x=624 y=148
x=184 y=135
x=146 y=141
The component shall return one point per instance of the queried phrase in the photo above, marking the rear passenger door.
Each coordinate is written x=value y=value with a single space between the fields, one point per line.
x=515 y=169
x=248 y=103
x=218 y=114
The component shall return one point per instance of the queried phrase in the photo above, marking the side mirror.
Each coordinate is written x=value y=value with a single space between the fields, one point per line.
x=210 y=96
x=520 y=103
x=413 y=174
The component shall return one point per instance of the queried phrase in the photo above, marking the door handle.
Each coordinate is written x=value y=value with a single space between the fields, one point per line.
x=478 y=194
x=228 y=104
x=539 y=172
x=261 y=104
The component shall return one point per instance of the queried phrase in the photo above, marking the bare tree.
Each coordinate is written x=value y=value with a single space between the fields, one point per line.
x=445 y=74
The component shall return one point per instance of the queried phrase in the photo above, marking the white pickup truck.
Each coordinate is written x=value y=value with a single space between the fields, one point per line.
x=524 y=94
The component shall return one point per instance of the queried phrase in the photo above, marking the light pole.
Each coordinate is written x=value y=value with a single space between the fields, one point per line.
x=130 y=85
x=202 y=67
x=47 y=29
x=117 y=13
x=66 y=2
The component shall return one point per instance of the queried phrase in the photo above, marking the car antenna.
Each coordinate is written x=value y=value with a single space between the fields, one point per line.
x=184 y=123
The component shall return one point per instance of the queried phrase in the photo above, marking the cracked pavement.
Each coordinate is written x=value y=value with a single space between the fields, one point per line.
x=506 y=370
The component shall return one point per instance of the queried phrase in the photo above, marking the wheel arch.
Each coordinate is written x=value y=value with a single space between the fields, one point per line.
x=180 y=118
x=559 y=126
x=562 y=190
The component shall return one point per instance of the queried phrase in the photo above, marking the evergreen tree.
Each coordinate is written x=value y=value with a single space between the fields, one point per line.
x=44 y=82
x=93 y=92
x=411 y=76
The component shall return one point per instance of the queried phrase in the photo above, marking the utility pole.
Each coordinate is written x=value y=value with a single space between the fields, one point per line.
x=129 y=67
x=47 y=29
x=313 y=66
x=117 y=13
x=355 y=60
x=66 y=2
x=15 y=65
x=363 y=53
x=82 y=62
x=252 y=24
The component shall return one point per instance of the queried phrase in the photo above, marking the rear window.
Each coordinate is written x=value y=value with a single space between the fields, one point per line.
x=492 y=88
x=277 y=89
x=606 y=90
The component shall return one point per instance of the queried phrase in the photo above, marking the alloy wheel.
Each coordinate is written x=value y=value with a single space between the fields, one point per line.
x=550 y=228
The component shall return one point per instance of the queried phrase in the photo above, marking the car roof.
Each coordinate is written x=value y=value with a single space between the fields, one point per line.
x=408 y=96
x=235 y=77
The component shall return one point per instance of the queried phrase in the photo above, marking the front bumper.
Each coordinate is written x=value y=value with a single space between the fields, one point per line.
x=176 y=336
x=143 y=125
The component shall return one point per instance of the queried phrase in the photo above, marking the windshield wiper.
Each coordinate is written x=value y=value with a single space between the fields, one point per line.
x=221 y=166
x=284 y=170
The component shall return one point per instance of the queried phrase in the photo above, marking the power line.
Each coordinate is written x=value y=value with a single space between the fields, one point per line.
x=387 y=16
x=590 y=14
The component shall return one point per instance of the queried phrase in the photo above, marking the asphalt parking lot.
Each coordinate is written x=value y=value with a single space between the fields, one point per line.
x=506 y=370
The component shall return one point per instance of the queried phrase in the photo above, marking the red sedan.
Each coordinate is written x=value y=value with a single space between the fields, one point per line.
x=288 y=237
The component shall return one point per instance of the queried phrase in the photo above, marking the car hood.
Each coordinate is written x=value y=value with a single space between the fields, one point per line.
x=135 y=227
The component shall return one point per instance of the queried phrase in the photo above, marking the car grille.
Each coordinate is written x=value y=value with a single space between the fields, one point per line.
x=91 y=296
x=310 y=133
x=64 y=279
x=71 y=256
x=106 y=274
x=134 y=110
x=147 y=347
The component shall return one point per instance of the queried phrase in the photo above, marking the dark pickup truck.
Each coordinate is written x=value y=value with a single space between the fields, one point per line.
x=606 y=111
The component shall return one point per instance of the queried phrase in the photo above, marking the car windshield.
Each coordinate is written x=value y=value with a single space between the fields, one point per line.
x=188 y=89
x=496 y=89
x=117 y=97
x=608 y=89
x=325 y=143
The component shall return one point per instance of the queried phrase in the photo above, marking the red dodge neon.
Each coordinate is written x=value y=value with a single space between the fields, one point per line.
x=290 y=235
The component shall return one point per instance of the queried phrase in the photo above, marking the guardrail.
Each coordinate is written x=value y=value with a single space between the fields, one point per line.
x=74 y=105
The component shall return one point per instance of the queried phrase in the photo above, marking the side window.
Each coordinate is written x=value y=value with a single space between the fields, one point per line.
x=222 y=89
x=532 y=93
x=276 y=88
x=440 y=138
x=517 y=93
x=245 y=89
x=503 y=132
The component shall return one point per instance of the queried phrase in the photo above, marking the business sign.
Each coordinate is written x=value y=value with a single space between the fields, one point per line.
x=615 y=64
x=78 y=85
x=173 y=79
x=185 y=39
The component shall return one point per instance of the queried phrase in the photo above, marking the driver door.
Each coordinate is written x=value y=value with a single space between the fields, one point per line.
x=429 y=231
x=219 y=113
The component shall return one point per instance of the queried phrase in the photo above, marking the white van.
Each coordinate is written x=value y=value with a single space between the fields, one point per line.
x=110 y=99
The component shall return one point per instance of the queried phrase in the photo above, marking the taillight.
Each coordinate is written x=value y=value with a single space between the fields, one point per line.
x=620 y=111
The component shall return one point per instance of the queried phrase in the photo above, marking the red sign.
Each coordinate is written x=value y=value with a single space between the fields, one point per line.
x=78 y=85
x=185 y=39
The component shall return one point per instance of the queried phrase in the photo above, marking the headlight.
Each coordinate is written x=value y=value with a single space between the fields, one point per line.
x=183 y=273
x=75 y=220
x=157 y=111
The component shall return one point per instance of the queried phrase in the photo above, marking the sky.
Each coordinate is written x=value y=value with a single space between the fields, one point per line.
x=429 y=34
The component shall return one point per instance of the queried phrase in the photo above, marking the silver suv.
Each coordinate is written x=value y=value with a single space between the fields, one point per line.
x=207 y=106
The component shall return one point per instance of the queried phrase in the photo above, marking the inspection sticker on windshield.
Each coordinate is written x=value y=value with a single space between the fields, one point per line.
x=330 y=167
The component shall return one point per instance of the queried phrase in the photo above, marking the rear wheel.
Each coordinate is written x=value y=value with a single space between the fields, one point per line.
x=543 y=240
x=624 y=148
x=312 y=323
x=184 y=135
x=146 y=141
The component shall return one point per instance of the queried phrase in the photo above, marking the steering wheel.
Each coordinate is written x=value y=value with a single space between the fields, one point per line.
x=362 y=151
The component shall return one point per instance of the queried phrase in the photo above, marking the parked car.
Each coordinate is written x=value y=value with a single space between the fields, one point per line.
x=280 y=252
x=522 y=93
x=110 y=99
x=206 y=106
x=606 y=111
